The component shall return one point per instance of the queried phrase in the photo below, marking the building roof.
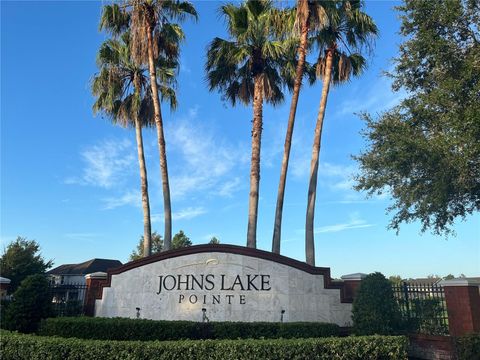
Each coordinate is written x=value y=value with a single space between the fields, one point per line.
x=87 y=267
x=4 y=280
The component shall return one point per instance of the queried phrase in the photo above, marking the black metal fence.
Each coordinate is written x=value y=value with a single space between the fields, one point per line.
x=423 y=307
x=68 y=299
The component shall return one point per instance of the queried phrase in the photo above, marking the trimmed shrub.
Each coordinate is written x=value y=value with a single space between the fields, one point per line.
x=468 y=346
x=31 y=303
x=375 y=310
x=141 y=329
x=29 y=347
x=4 y=304
x=426 y=317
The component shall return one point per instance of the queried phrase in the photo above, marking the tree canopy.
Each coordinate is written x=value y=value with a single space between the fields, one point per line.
x=214 y=240
x=253 y=51
x=32 y=302
x=425 y=152
x=157 y=246
x=20 y=259
x=181 y=240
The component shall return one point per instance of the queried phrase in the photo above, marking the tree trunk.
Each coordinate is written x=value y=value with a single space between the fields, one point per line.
x=312 y=188
x=255 y=162
x=161 y=143
x=147 y=228
x=302 y=51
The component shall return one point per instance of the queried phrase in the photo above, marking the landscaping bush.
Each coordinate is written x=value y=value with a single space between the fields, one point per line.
x=426 y=317
x=468 y=346
x=375 y=310
x=4 y=304
x=31 y=303
x=141 y=329
x=29 y=347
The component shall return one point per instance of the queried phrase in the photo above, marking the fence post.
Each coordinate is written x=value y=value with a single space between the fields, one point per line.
x=351 y=284
x=94 y=283
x=463 y=305
x=407 y=300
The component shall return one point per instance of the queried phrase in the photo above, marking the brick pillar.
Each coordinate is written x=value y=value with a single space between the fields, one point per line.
x=463 y=305
x=351 y=283
x=94 y=283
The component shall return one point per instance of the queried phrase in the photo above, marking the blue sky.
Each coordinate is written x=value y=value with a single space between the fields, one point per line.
x=70 y=180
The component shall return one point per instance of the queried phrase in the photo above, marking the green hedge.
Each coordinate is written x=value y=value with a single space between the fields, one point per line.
x=468 y=346
x=31 y=347
x=145 y=330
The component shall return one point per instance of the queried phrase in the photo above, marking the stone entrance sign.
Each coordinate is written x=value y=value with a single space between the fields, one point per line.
x=223 y=283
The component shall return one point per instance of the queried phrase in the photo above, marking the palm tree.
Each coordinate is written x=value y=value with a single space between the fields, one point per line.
x=152 y=35
x=122 y=93
x=246 y=68
x=349 y=30
x=310 y=16
x=116 y=20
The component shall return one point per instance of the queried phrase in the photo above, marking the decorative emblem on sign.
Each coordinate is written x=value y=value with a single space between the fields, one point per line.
x=213 y=262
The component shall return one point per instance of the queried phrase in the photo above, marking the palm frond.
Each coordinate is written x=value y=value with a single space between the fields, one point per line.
x=344 y=66
x=254 y=49
x=114 y=19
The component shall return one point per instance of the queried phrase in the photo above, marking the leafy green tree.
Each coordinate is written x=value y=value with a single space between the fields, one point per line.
x=310 y=16
x=425 y=152
x=31 y=303
x=157 y=246
x=395 y=279
x=375 y=310
x=20 y=259
x=214 y=240
x=180 y=240
x=340 y=43
x=246 y=67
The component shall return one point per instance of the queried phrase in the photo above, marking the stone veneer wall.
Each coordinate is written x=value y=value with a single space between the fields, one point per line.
x=301 y=294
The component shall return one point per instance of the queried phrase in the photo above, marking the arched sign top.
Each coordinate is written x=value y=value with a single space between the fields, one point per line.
x=230 y=249
x=222 y=248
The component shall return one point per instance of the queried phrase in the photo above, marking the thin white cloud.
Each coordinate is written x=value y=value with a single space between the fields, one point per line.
x=228 y=188
x=188 y=213
x=378 y=97
x=183 y=214
x=105 y=163
x=130 y=197
x=355 y=222
x=208 y=163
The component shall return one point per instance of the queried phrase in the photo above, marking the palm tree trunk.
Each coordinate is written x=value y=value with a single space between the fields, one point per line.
x=302 y=52
x=312 y=188
x=255 y=162
x=161 y=143
x=147 y=227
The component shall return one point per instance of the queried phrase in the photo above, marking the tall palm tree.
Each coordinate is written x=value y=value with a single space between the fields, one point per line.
x=116 y=20
x=310 y=17
x=152 y=34
x=349 y=31
x=122 y=93
x=246 y=68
